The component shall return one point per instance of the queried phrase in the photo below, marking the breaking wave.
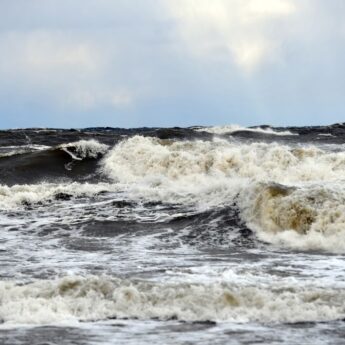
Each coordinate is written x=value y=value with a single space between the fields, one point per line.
x=141 y=159
x=94 y=298
x=14 y=197
x=304 y=213
x=290 y=195
x=85 y=149
x=309 y=217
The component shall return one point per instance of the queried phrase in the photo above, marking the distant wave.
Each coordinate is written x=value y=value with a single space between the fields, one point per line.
x=236 y=128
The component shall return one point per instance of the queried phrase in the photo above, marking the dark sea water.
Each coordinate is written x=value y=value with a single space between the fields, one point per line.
x=219 y=235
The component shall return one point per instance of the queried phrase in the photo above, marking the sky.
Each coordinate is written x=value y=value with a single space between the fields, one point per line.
x=134 y=63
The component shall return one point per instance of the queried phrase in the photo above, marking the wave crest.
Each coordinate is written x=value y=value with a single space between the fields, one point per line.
x=309 y=218
x=305 y=211
x=140 y=158
x=85 y=149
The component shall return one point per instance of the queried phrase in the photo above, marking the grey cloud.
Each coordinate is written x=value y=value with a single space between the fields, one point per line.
x=125 y=63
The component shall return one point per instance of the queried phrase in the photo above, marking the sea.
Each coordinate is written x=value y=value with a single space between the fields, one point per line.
x=199 y=235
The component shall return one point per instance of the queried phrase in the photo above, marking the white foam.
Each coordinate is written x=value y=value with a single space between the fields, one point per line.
x=218 y=172
x=85 y=149
x=18 y=195
x=95 y=298
x=141 y=159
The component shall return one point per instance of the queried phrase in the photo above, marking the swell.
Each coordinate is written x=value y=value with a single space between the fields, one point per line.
x=219 y=227
x=106 y=215
x=74 y=161
x=108 y=135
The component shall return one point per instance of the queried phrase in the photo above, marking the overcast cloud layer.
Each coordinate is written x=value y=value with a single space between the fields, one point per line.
x=77 y=63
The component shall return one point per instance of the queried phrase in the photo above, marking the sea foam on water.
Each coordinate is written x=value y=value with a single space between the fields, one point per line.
x=173 y=226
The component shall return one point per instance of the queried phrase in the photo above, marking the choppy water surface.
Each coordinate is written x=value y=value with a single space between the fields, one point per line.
x=221 y=235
